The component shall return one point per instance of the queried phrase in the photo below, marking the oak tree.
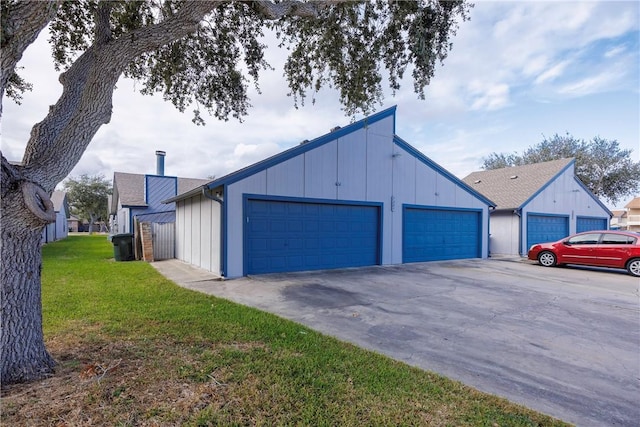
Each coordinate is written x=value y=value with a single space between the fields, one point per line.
x=88 y=197
x=197 y=54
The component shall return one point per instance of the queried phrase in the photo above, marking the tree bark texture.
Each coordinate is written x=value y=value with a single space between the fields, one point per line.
x=22 y=349
x=56 y=145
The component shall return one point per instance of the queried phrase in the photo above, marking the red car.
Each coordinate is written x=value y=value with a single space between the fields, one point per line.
x=606 y=248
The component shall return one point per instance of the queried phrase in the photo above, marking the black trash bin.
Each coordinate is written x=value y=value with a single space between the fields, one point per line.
x=123 y=247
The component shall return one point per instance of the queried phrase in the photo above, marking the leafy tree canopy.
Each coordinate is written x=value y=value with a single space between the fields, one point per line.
x=343 y=44
x=601 y=165
x=88 y=197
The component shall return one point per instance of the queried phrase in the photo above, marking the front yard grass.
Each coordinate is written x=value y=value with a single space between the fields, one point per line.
x=134 y=349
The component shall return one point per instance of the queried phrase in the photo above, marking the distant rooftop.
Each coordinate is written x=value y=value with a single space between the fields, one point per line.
x=511 y=187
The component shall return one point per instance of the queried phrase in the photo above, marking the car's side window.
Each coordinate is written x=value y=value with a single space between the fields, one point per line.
x=617 y=239
x=584 y=239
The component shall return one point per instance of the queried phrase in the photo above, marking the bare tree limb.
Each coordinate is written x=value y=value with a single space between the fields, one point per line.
x=103 y=27
x=273 y=11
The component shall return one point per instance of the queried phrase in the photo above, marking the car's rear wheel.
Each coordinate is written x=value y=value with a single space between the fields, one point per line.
x=547 y=259
x=633 y=267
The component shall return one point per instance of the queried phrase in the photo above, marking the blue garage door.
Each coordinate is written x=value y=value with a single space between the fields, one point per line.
x=590 y=223
x=546 y=228
x=297 y=236
x=440 y=234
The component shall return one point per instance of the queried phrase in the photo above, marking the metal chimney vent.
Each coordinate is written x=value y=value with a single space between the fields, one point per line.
x=160 y=162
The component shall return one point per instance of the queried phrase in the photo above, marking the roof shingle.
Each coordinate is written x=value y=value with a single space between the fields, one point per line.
x=60 y=203
x=510 y=187
x=634 y=204
x=129 y=187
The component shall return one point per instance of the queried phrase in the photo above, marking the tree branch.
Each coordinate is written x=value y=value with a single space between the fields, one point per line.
x=20 y=28
x=57 y=143
x=311 y=9
x=182 y=23
x=103 y=27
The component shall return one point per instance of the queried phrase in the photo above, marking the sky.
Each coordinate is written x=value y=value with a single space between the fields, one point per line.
x=519 y=71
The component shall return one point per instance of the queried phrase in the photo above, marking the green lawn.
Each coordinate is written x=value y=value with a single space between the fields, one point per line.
x=135 y=349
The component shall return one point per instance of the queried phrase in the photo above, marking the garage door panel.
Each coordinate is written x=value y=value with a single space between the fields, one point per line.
x=588 y=224
x=311 y=243
x=546 y=228
x=258 y=225
x=432 y=234
x=309 y=236
x=312 y=261
x=296 y=244
x=326 y=226
x=311 y=226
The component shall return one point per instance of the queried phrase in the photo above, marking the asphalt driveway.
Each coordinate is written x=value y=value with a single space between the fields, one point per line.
x=563 y=341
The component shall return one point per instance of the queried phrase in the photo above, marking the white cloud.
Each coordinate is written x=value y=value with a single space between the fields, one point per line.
x=615 y=52
x=255 y=151
x=552 y=73
x=491 y=97
x=591 y=84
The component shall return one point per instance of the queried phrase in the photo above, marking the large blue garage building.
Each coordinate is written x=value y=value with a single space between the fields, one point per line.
x=356 y=196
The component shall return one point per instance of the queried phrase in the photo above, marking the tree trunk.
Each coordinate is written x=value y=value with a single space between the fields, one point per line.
x=56 y=145
x=92 y=220
x=54 y=148
x=22 y=351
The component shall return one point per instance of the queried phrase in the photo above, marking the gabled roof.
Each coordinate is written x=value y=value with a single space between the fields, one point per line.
x=60 y=204
x=187 y=184
x=634 y=204
x=129 y=188
x=619 y=213
x=324 y=139
x=513 y=187
x=336 y=133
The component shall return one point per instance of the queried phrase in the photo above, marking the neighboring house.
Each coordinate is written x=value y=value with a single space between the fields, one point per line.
x=536 y=203
x=633 y=214
x=74 y=224
x=139 y=196
x=357 y=196
x=618 y=220
x=57 y=230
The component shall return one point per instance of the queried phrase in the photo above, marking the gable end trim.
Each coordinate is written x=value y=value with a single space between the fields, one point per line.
x=548 y=183
x=301 y=149
x=427 y=161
